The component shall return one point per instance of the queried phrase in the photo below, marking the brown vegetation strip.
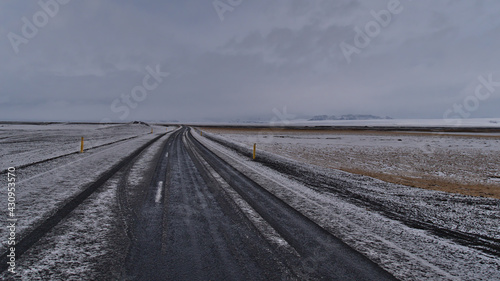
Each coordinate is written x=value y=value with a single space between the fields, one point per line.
x=481 y=190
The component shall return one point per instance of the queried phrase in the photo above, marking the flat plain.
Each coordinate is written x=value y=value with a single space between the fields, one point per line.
x=458 y=162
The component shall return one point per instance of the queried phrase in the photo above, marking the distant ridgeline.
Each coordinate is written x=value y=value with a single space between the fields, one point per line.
x=347 y=117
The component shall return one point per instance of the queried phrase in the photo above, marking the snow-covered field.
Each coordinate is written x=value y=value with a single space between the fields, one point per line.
x=24 y=144
x=43 y=188
x=91 y=243
x=476 y=122
x=283 y=120
x=466 y=163
x=407 y=252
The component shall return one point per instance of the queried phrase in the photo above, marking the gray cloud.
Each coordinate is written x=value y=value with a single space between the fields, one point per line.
x=262 y=56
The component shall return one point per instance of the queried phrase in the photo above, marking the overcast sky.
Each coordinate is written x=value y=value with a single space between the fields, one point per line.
x=92 y=60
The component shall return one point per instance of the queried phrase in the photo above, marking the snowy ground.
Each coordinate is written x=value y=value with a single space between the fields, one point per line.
x=91 y=243
x=43 y=188
x=283 y=120
x=24 y=144
x=406 y=252
x=85 y=239
x=477 y=122
x=465 y=163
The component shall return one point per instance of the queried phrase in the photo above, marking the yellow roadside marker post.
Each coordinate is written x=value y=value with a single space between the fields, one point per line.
x=151 y=130
x=81 y=146
x=254 y=147
x=201 y=133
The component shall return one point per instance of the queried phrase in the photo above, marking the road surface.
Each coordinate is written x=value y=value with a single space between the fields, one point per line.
x=188 y=228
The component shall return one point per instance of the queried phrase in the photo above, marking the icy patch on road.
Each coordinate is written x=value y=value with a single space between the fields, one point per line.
x=159 y=192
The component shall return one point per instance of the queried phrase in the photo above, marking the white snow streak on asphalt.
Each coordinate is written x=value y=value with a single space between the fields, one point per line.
x=159 y=192
x=259 y=222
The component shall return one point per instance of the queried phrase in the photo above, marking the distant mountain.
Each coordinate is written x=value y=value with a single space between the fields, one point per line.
x=347 y=117
x=319 y=118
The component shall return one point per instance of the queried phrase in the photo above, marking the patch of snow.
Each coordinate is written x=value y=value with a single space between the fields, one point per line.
x=159 y=191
